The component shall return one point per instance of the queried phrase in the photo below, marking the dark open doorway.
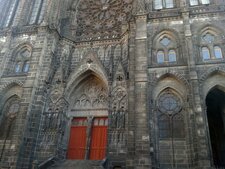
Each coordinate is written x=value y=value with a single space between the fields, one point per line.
x=215 y=102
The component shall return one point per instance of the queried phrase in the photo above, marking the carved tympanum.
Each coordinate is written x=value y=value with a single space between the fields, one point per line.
x=92 y=95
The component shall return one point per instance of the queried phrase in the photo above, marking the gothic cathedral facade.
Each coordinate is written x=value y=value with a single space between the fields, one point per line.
x=138 y=84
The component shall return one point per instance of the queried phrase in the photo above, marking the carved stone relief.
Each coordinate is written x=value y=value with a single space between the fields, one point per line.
x=92 y=95
x=53 y=123
x=119 y=108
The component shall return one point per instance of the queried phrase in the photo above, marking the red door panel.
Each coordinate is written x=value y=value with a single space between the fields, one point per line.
x=77 y=143
x=99 y=139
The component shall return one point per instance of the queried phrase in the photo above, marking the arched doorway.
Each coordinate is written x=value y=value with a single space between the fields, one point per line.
x=215 y=102
x=89 y=114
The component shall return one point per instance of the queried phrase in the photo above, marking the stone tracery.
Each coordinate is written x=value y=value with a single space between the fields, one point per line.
x=102 y=19
x=92 y=95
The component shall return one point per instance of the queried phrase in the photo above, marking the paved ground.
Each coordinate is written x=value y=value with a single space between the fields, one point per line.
x=76 y=164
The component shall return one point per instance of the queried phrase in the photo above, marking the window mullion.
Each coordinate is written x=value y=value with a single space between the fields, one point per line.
x=166 y=55
x=211 y=51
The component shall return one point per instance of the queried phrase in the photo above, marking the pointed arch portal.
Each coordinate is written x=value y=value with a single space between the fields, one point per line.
x=215 y=102
x=89 y=114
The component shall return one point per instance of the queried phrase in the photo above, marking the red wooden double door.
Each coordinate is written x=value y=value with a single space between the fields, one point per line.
x=78 y=139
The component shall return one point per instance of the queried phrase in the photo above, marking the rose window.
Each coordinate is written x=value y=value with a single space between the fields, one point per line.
x=169 y=103
x=102 y=18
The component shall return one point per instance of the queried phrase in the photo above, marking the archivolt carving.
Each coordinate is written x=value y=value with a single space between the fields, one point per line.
x=92 y=95
x=218 y=69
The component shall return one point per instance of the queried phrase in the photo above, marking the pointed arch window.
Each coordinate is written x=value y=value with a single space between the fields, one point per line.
x=166 y=52
x=8 y=114
x=172 y=56
x=160 y=57
x=26 y=66
x=22 y=61
x=10 y=14
x=170 y=118
x=18 y=67
x=205 y=53
x=210 y=46
x=218 y=52
x=37 y=11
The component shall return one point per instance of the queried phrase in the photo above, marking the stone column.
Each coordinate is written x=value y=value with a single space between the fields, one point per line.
x=142 y=143
x=201 y=146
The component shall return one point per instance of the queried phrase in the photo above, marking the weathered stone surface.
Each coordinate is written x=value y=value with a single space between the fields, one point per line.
x=148 y=70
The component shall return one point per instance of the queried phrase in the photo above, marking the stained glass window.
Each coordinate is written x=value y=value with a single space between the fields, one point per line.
x=166 y=52
x=169 y=103
x=25 y=53
x=160 y=57
x=209 y=38
x=159 y=4
x=165 y=41
x=211 y=49
x=178 y=126
x=172 y=56
x=164 y=127
x=193 y=2
x=218 y=52
x=22 y=61
x=205 y=53
x=170 y=119
x=26 y=66
x=18 y=67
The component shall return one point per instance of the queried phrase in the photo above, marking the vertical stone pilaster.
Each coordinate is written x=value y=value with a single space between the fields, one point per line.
x=142 y=143
x=201 y=147
x=131 y=101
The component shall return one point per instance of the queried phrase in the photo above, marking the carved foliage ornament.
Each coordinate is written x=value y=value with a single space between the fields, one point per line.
x=102 y=18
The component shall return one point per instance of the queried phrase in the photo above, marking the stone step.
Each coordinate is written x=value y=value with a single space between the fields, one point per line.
x=77 y=164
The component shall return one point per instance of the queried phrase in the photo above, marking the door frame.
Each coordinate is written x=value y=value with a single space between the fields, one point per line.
x=90 y=121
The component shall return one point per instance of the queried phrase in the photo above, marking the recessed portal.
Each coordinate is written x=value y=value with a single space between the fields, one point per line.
x=89 y=110
x=79 y=148
x=215 y=102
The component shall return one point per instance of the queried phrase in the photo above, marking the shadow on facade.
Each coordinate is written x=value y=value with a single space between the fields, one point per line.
x=215 y=102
